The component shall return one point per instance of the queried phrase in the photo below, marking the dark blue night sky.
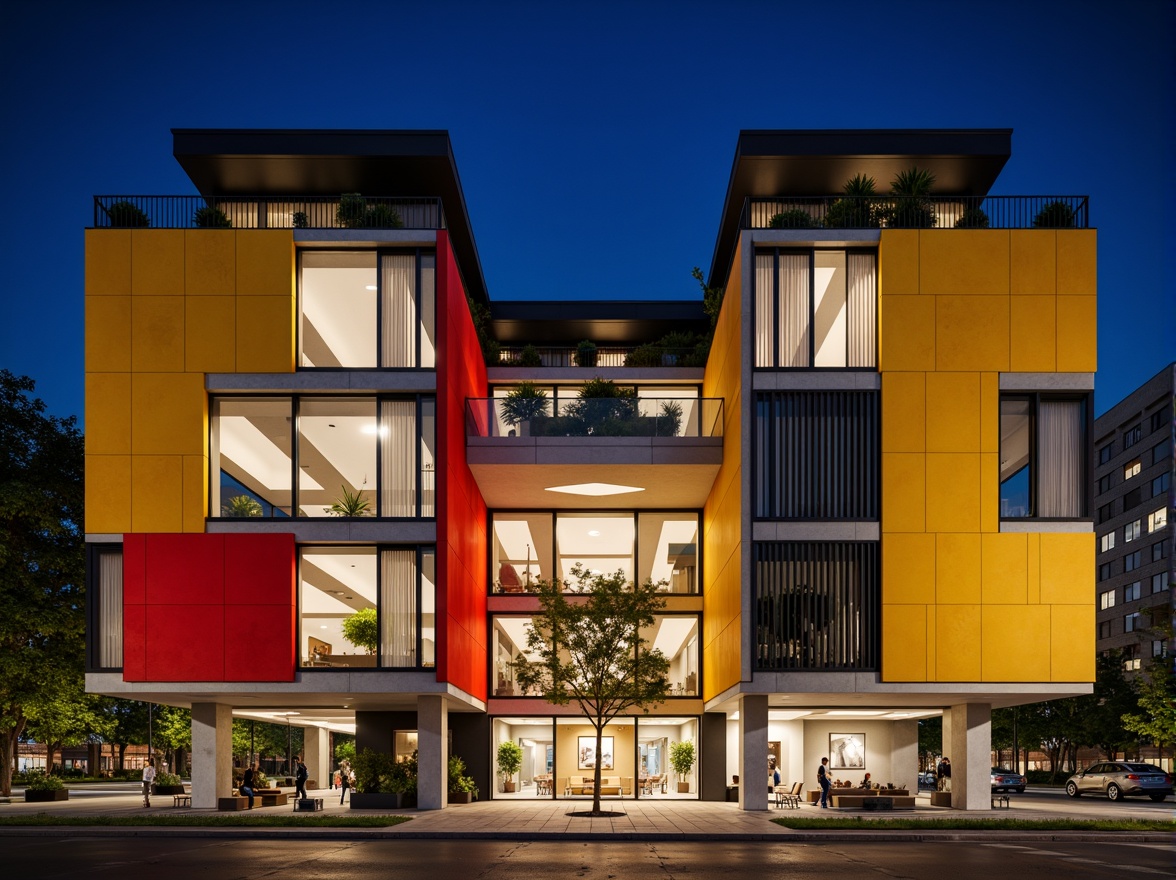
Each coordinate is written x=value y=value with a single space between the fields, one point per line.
x=594 y=140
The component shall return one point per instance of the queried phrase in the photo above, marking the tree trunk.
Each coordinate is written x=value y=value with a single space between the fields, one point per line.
x=596 y=778
x=8 y=740
x=122 y=756
x=50 y=751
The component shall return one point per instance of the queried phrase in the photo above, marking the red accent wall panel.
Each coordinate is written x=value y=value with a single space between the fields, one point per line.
x=200 y=599
x=461 y=512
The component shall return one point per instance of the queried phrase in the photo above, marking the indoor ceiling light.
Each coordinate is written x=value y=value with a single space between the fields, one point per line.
x=594 y=489
x=369 y=287
x=594 y=533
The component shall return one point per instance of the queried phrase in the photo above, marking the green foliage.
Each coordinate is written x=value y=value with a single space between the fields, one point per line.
x=380 y=773
x=362 y=630
x=792 y=219
x=353 y=213
x=37 y=780
x=682 y=757
x=712 y=297
x=1114 y=696
x=973 y=217
x=480 y=315
x=586 y=353
x=672 y=350
x=345 y=751
x=930 y=737
x=242 y=506
x=173 y=779
x=912 y=208
x=458 y=782
x=510 y=757
x=530 y=357
x=211 y=217
x=125 y=214
x=351 y=503
x=858 y=209
x=1055 y=215
x=522 y=403
x=1156 y=718
x=383 y=217
x=300 y=220
x=65 y=715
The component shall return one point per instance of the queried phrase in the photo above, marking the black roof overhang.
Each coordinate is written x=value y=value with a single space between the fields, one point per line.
x=312 y=162
x=965 y=162
x=557 y=322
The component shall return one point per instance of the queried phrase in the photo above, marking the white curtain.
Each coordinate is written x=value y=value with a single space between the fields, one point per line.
x=428 y=457
x=428 y=608
x=764 y=311
x=863 y=310
x=794 y=310
x=1059 y=458
x=398 y=445
x=110 y=610
x=399 y=310
x=398 y=608
x=428 y=310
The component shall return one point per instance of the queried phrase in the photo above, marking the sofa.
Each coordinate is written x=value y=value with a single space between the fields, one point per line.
x=618 y=786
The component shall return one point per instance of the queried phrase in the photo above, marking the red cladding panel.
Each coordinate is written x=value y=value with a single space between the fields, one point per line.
x=185 y=643
x=134 y=577
x=134 y=642
x=259 y=570
x=185 y=569
x=249 y=657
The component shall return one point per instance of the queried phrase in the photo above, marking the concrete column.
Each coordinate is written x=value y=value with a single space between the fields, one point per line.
x=753 y=752
x=316 y=745
x=904 y=755
x=432 y=751
x=971 y=745
x=212 y=754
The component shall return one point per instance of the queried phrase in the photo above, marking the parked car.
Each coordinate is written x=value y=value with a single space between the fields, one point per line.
x=1007 y=780
x=1120 y=779
x=927 y=779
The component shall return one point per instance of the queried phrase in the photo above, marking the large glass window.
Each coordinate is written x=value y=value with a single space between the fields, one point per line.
x=337 y=456
x=1042 y=457
x=252 y=452
x=676 y=636
x=105 y=606
x=815 y=308
x=668 y=550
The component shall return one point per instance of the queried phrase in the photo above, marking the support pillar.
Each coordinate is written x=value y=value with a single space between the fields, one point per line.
x=432 y=751
x=316 y=747
x=212 y=754
x=971 y=745
x=904 y=754
x=753 y=752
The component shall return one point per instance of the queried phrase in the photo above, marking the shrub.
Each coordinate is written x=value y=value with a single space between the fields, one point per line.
x=38 y=780
x=793 y=219
x=168 y=779
x=1055 y=215
x=972 y=218
x=380 y=773
x=912 y=208
x=300 y=220
x=586 y=354
x=127 y=214
x=210 y=217
x=362 y=630
x=530 y=357
x=858 y=209
x=458 y=782
x=382 y=217
x=352 y=210
x=522 y=403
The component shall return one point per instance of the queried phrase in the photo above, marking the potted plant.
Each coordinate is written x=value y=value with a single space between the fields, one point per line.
x=510 y=761
x=382 y=782
x=167 y=783
x=353 y=213
x=462 y=789
x=351 y=503
x=973 y=217
x=586 y=354
x=1055 y=215
x=362 y=630
x=41 y=787
x=211 y=217
x=241 y=506
x=126 y=214
x=530 y=357
x=857 y=209
x=912 y=207
x=521 y=404
x=793 y=219
x=300 y=220
x=682 y=760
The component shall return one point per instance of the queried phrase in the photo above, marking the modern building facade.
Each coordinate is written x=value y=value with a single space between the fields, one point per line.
x=308 y=499
x=1133 y=522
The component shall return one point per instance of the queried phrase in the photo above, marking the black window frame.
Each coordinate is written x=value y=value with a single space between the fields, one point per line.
x=1086 y=460
x=93 y=611
x=1132 y=436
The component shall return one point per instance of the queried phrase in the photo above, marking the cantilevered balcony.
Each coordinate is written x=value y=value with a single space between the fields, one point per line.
x=268 y=212
x=916 y=212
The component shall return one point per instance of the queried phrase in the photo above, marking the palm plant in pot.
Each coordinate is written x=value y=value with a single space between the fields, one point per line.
x=521 y=404
x=912 y=206
x=510 y=761
x=682 y=760
x=858 y=208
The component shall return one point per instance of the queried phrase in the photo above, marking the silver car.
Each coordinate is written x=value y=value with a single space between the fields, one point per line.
x=1119 y=779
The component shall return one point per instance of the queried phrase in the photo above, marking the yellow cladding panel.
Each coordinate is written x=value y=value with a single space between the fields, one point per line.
x=908 y=568
x=210 y=262
x=953 y=492
x=265 y=262
x=904 y=643
x=1014 y=646
x=1033 y=568
x=1033 y=334
x=907 y=333
x=1072 y=642
x=108 y=413
x=1004 y=568
x=990 y=412
x=972 y=333
x=903 y=486
x=210 y=334
x=157 y=334
x=953 y=412
x=1077 y=262
x=957 y=569
x=1067 y=568
x=168 y=414
x=989 y=492
x=195 y=492
x=898 y=261
x=904 y=412
x=157 y=262
x=265 y=334
x=1033 y=261
x=956 y=261
x=157 y=486
x=108 y=262
x=108 y=494
x=1077 y=334
x=957 y=643
x=108 y=333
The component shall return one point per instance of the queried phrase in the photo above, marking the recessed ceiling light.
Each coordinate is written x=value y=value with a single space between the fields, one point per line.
x=369 y=287
x=594 y=533
x=323 y=626
x=594 y=489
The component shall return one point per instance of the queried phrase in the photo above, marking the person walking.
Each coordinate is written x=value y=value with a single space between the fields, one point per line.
x=344 y=779
x=943 y=771
x=824 y=781
x=246 y=787
x=148 y=780
x=300 y=775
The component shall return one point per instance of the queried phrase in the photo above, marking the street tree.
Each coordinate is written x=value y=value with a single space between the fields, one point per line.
x=42 y=559
x=1114 y=696
x=66 y=716
x=1155 y=717
x=586 y=647
x=128 y=720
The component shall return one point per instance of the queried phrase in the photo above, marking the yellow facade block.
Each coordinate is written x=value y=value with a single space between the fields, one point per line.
x=210 y=334
x=210 y=258
x=953 y=412
x=1067 y=568
x=108 y=494
x=972 y=333
x=157 y=499
x=964 y=261
x=168 y=414
x=903 y=492
x=898 y=262
x=957 y=569
x=195 y=492
x=108 y=413
x=1033 y=261
x=990 y=412
x=957 y=643
x=157 y=334
x=265 y=334
x=157 y=262
x=1071 y=634
x=1077 y=262
x=108 y=333
x=907 y=333
x=1033 y=334
x=904 y=643
x=931 y=621
x=108 y=262
x=1014 y=646
x=953 y=492
x=908 y=568
x=1033 y=568
x=989 y=492
x=1004 y=567
x=1077 y=334
x=265 y=262
x=904 y=412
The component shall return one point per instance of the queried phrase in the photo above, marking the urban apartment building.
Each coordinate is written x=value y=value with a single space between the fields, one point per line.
x=869 y=502
x=1133 y=522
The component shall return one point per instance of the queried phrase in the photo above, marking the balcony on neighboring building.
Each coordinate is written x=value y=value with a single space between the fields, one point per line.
x=345 y=211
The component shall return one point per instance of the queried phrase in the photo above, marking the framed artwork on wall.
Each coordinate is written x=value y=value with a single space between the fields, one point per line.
x=586 y=753
x=847 y=751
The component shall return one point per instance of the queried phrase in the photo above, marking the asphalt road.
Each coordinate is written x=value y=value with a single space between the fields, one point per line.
x=51 y=858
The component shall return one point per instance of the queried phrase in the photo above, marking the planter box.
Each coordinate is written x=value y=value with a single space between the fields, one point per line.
x=168 y=789
x=33 y=797
x=461 y=797
x=683 y=788
x=508 y=786
x=382 y=801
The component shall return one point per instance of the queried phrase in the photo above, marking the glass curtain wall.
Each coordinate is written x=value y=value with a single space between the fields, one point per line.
x=337 y=456
x=251 y=450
